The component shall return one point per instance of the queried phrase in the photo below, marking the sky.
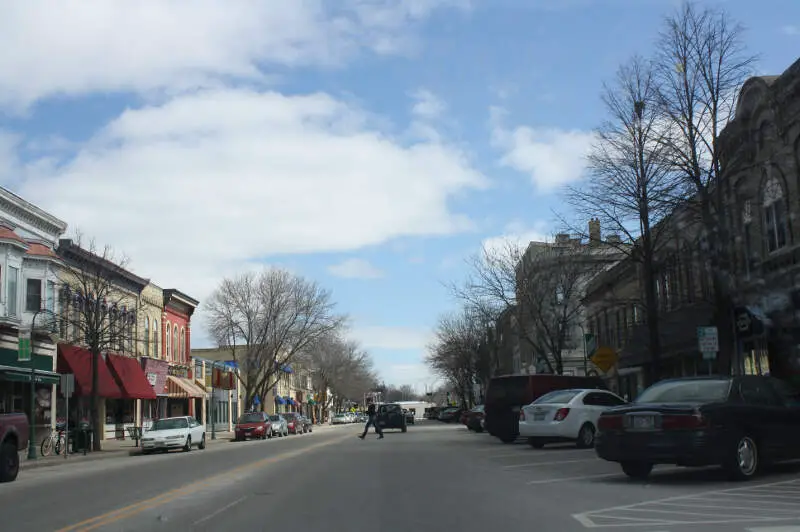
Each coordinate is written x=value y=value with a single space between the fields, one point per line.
x=369 y=145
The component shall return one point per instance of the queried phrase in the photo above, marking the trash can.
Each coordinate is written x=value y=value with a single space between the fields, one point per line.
x=82 y=439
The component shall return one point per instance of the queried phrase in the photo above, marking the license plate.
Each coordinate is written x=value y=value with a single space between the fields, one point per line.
x=643 y=422
x=538 y=416
x=159 y=444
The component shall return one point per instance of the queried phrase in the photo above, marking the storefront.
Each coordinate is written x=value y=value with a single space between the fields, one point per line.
x=182 y=393
x=15 y=392
x=115 y=408
x=126 y=412
x=155 y=372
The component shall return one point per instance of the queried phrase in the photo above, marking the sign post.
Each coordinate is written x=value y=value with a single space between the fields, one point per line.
x=67 y=388
x=708 y=343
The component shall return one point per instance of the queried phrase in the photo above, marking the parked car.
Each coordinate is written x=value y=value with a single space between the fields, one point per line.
x=13 y=439
x=308 y=426
x=737 y=423
x=279 y=425
x=449 y=415
x=390 y=416
x=473 y=419
x=409 y=416
x=293 y=423
x=506 y=396
x=339 y=419
x=181 y=432
x=253 y=425
x=565 y=415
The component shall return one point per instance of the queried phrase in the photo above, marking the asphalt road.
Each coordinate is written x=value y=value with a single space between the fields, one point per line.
x=433 y=478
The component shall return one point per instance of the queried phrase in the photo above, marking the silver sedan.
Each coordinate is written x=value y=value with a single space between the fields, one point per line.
x=279 y=426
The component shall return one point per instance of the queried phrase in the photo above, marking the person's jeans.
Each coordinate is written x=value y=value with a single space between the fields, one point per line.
x=371 y=422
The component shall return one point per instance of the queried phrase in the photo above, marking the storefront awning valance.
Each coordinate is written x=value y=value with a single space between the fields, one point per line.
x=130 y=377
x=180 y=388
x=9 y=373
x=78 y=361
x=280 y=400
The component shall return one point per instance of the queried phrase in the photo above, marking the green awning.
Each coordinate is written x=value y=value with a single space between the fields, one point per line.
x=25 y=376
x=311 y=402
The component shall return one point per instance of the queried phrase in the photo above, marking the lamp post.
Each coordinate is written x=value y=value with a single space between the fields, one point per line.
x=28 y=346
x=213 y=405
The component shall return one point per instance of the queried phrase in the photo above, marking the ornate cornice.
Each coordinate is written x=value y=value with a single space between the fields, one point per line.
x=31 y=214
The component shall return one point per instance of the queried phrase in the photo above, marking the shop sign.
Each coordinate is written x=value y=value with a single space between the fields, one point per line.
x=152 y=378
x=224 y=380
x=178 y=371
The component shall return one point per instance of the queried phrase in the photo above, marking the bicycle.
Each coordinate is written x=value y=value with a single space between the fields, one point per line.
x=54 y=442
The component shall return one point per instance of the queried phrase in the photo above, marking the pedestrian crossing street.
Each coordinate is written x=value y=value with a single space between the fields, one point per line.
x=769 y=507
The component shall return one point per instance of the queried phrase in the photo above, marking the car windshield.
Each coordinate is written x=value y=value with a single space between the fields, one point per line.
x=274 y=418
x=170 y=424
x=478 y=408
x=251 y=418
x=686 y=391
x=557 y=397
x=340 y=415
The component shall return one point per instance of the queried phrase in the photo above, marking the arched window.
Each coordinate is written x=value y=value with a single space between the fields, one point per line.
x=147 y=336
x=168 y=342
x=175 y=349
x=775 y=222
x=156 y=330
x=183 y=345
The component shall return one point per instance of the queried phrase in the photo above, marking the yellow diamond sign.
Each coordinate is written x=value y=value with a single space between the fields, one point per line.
x=605 y=358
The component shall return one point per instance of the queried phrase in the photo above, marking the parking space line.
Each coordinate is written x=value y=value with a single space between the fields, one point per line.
x=550 y=463
x=570 y=479
x=725 y=507
x=532 y=452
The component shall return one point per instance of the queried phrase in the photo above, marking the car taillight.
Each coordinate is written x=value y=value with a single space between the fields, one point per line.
x=522 y=415
x=610 y=423
x=683 y=422
x=561 y=414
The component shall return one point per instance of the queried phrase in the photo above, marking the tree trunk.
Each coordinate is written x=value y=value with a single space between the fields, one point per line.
x=97 y=422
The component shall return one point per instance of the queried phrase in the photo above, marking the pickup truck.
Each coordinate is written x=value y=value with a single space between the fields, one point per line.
x=13 y=439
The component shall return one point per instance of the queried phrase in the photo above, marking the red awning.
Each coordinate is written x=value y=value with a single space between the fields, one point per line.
x=130 y=377
x=78 y=361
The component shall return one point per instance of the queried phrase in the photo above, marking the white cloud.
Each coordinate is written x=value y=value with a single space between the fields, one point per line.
x=791 y=30
x=394 y=338
x=211 y=182
x=427 y=105
x=76 y=47
x=518 y=234
x=355 y=269
x=552 y=157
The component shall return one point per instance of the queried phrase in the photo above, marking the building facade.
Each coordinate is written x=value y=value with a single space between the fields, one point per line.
x=185 y=396
x=28 y=306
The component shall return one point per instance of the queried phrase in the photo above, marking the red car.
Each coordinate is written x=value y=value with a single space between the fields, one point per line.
x=253 y=425
x=294 y=423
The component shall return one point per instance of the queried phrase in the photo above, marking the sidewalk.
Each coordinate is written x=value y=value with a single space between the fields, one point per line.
x=111 y=449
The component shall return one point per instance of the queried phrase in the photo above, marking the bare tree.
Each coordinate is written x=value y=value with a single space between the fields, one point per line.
x=266 y=319
x=340 y=366
x=455 y=353
x=404 y=392
x=98 y=303
x=631 y=186
x=701 y=66
x=543 y=285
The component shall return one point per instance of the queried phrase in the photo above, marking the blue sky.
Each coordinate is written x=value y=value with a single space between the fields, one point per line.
x=371 y=147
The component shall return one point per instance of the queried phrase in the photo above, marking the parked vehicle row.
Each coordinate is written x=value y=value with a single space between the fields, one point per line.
x=262 y=426
x=739 y=423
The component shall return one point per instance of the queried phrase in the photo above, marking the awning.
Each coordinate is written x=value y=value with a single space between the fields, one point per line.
x=10 y=373
x=180 y=388
x=280 y=400
x=78 y=361
x=130 y=377
x=200 y=384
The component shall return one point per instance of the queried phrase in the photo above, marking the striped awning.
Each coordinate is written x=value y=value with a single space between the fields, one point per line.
x=180 y=388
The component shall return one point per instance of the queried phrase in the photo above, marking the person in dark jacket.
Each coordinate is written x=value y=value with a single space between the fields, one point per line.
x=371 y=421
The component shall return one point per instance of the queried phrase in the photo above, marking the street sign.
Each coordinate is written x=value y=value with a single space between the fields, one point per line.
x=590 y=343
x=604 y=358
x=67 y=384
x=708 y=340
x=24 y=347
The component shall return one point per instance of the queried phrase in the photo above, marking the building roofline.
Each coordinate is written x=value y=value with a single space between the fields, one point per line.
x=59 y=225
x=177 y=295
x=67 y=247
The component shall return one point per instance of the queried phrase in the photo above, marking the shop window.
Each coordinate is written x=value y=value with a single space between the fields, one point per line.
x=11 y=291
x=775 y=219
x=33 y=295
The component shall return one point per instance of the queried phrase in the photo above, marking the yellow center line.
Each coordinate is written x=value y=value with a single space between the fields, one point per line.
x=165 y=498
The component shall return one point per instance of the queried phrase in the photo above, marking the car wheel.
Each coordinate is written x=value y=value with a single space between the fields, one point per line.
x=146 y=452
x=637 y=470
x=9 y=462
x=586 y=436
x=742 y=460
x=202 y=444
x=188 y=446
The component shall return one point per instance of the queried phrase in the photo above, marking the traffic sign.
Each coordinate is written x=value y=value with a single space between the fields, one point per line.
x=604 y=358
x=67 y=384
x=708 y=339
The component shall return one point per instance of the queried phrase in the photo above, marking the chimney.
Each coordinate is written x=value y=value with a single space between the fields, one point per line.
x=614 y=239
x=594 y=232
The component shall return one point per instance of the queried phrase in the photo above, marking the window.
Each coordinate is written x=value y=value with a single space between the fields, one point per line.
x=775 y=221
x=147 y=336
x=11 y=290
x=176 y=354
x=33 y=295
x=183 y=345
x=168 y=342
x=155 y=338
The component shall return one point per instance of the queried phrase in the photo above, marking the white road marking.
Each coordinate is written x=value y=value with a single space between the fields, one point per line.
x=569 y=479
x=711 y=507
x=794 y=528
x=550 y=463
x=219 y=511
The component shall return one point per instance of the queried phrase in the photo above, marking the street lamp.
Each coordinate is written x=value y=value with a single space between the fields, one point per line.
x=32 y=423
